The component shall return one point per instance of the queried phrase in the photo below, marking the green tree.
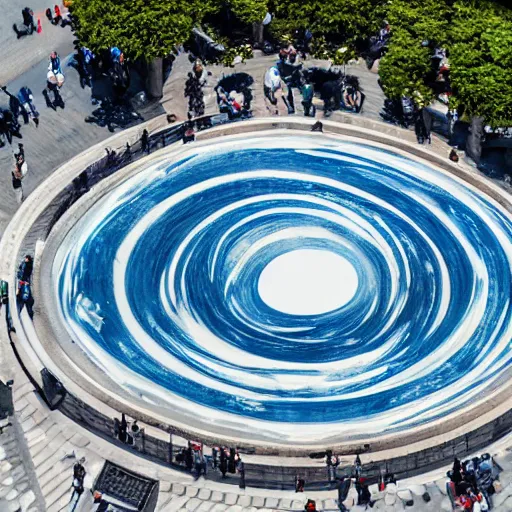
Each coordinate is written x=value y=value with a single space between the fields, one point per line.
x=335 y=22
x=249 y=11
x=403 y=69
x=407 y=63
x=141 y=28
x=481 y=60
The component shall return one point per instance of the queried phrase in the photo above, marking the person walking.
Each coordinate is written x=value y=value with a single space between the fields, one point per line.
x=25 y=269
x=12 y=126
x=78 y=482
x=19 y=172
x=26 y=98
x=15 y=105
x=24 y=298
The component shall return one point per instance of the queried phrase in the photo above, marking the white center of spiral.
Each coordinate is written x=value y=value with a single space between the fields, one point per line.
x=308 y=282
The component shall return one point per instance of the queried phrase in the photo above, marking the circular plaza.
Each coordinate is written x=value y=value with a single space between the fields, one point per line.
x=282 y=290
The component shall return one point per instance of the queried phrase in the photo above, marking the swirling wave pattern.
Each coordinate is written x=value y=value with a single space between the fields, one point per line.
x=293 y=280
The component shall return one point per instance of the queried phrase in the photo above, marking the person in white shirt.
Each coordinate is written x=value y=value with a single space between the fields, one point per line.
x=271 y=85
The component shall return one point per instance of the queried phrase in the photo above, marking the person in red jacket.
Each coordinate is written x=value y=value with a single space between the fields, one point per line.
x=58 y=16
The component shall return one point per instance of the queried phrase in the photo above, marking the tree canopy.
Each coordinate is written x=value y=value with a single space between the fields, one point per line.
x=478 y=37
x=481 y=60
x=477 y=34
x=142 y=28
x=345 y=22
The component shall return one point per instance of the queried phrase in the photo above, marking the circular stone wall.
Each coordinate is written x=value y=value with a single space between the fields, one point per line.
x=294 y=288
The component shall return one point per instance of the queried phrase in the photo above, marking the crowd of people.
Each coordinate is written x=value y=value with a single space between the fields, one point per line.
x=223 y=460
x=343 y=480
x=472 y=483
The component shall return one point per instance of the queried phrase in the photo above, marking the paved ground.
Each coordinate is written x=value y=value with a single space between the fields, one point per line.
x=173 y=91
x=20 y=55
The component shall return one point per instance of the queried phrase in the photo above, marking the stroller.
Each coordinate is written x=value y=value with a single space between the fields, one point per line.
x=227 y=104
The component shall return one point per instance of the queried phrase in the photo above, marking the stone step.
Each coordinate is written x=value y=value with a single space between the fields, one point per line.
x=51 y=434
x=51 y=453
x=59 y=496
x=59 y=471
x=175 y=504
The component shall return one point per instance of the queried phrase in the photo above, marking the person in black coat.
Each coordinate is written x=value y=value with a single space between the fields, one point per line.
x=189 y=458
x=232 y=461
x=223 y=463
x=25 y=269
x=343 y=488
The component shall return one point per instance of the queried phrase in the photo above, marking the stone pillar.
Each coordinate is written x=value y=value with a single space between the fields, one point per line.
x=474 y=141
x=155 y=79
x=257 y=32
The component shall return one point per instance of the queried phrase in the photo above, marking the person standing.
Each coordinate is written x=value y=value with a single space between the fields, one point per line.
x=240 y=467
x=19 y=172
x=272 y=84
x=25 y=269
x=215 y=459
x=199 y=463
x=12 y=126
x=54 y=81
x=15 y=105
x=189 y=457
x=144 y=141
x=343 y=488
x=232 y=461
x=223 y=465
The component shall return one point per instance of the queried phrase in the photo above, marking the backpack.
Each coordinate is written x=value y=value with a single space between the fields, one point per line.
x=25 y=292
x=4 y=292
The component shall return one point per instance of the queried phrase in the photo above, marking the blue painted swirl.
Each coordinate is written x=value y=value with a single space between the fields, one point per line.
x=159 y=284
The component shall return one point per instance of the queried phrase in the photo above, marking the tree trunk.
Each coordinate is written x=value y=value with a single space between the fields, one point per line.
x=474 y=142
x=257 y=32
x=155 y=79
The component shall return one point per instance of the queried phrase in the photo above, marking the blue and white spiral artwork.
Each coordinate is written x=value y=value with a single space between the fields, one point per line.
x=292 y=279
